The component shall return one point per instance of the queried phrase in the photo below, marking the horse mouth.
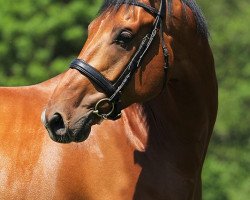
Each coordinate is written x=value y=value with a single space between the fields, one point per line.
x=78 y=131
x=81 y=129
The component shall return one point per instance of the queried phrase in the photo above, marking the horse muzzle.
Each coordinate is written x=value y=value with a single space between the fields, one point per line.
x=61 y=132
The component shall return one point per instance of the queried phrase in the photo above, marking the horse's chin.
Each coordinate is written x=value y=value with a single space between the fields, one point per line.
x=79 y=136
x=82 y=134
x=81 y=129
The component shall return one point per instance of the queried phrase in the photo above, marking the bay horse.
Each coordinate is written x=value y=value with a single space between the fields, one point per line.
x=131 y=118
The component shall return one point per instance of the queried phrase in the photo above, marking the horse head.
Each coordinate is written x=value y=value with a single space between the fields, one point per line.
x=123 y=61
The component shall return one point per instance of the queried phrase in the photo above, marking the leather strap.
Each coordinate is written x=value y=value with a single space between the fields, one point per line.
x=93 y=75
x=146 y=7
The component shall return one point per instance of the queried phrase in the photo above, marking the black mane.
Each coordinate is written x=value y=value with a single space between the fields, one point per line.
x=200 y=20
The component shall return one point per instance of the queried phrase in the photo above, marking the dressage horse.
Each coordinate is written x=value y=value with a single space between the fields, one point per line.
x=131 y=118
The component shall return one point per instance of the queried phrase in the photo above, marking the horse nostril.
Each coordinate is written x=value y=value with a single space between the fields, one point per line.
x=56 y=124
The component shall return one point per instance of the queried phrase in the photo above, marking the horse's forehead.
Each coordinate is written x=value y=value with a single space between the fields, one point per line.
x=104 y=18
x=120 y=17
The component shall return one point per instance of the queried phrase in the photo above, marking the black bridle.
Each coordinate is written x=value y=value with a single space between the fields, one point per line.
x=113 y=91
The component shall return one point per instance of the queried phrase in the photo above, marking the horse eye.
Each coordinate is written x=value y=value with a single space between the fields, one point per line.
x=124 y=38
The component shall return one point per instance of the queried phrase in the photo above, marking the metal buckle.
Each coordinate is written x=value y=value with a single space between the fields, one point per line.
x=103 y=101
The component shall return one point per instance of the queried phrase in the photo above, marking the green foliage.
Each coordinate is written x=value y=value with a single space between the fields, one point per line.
x=38 y=38
x=230 y=41
x=226 y=172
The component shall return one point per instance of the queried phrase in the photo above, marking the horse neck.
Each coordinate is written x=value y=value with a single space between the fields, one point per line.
x=52 y=82
x=147 y=122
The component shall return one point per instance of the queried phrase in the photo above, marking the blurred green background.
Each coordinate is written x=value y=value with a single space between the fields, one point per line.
x=38 y=38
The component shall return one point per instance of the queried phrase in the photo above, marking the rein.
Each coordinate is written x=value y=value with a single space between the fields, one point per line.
x=113 y=91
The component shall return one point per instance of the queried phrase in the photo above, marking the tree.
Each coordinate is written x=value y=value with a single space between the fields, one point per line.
x=226 y=173
x=39 y=38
